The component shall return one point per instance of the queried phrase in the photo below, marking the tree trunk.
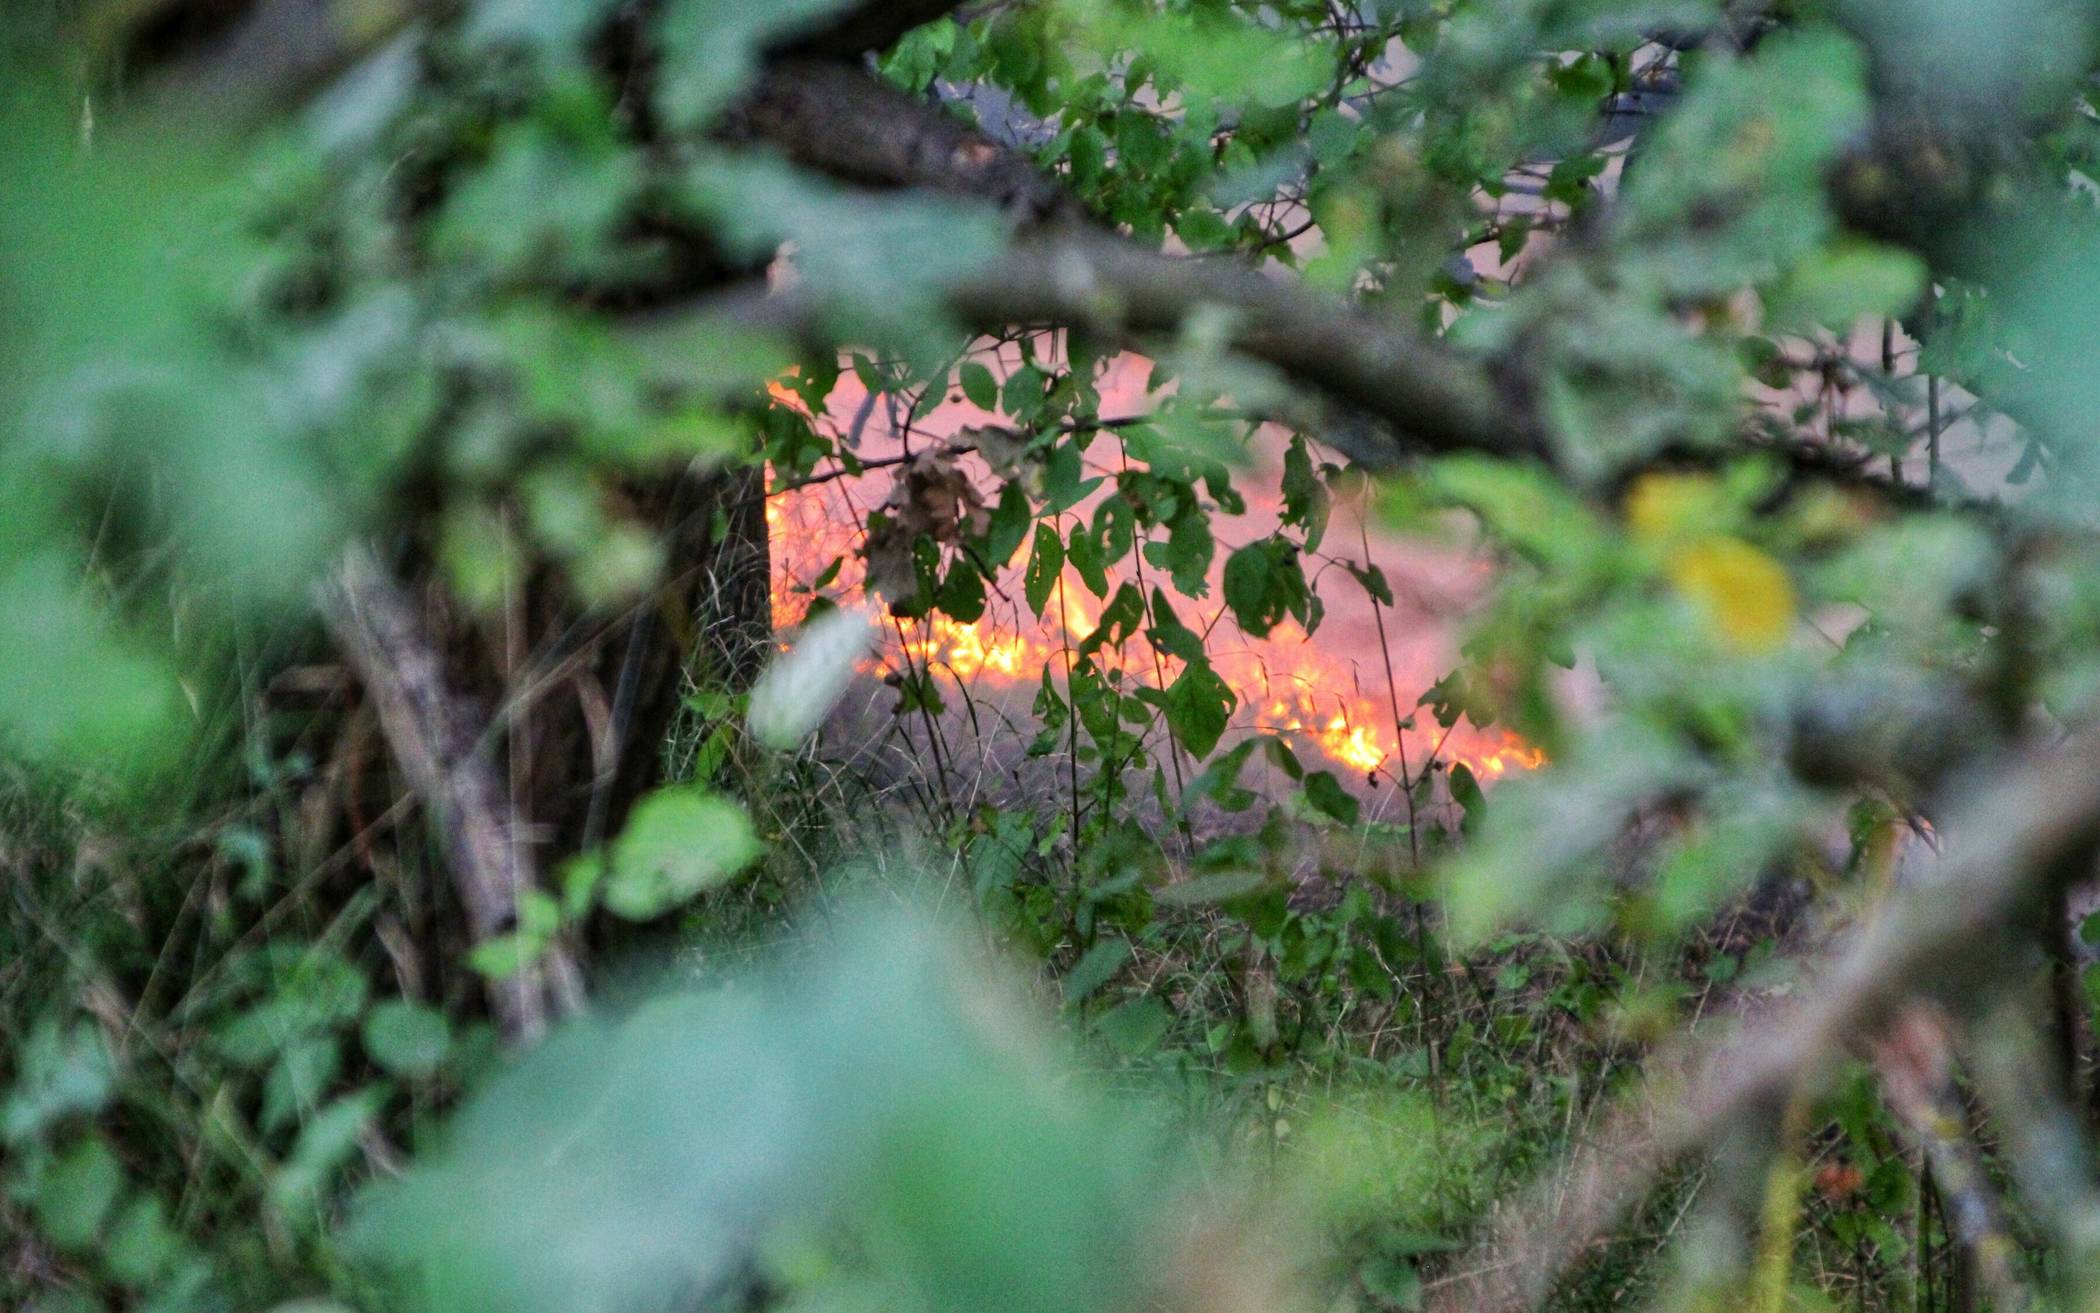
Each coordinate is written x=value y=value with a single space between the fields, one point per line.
x=583 y=754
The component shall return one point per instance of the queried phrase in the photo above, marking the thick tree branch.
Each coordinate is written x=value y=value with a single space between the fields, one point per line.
x=1439 y=400
x=1434 y=396
x=276 y=53
x=840 y=121
x=836 y=119
x=865 y=26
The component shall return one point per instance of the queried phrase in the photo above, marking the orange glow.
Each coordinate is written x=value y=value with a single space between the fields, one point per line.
x=1314 y=692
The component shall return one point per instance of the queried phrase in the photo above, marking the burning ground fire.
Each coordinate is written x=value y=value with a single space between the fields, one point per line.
x=1329 y=693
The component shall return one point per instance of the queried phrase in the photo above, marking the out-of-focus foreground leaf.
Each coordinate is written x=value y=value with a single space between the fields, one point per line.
x=889 y=1122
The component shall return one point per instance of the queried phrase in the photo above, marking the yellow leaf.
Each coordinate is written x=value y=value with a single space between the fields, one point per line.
x=1662 y=507
x=1746 y=592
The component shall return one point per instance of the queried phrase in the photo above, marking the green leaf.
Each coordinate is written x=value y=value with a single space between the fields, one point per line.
x=74 y=686
x=324 y=1144
x=1199 y=706
x=1264 y=583
x=1524 y=506
x=1394 y=1281
x=1085 y=555
x=1305 y=499
x=63 y=1071
x=1221 y=56
x=1094 y=969
x=502 y=956
x=1373 y=580
x=1171 y=636
x=297 y=1080
x=1044 y=566
x=544 y=197
x=405 y=1038
x=1115 y=527
x=1842 y=282
x=1187 y=551
x=799 y=689
x=1137 y=1026
x=711 y=47
x=552 y=27
x=678 y=843
x=1247 y=589
x=76 y=1193
x=961 y=593
x=1203 y=229
x=1732 y=189
x=1022 y=396
x=994 y=859
x=1008 y=528
x=1220 y=781
x=1120 y=619
x=979 y=386
x=1087 y=155
x=1465 y=791
x=1325 y=792
x=141 y=1244
x=1065 y=483
x=579 y=877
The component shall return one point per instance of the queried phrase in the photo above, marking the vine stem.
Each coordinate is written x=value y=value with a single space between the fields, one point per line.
x=1414 y=847
x=1159 y=667
x=1064 y=641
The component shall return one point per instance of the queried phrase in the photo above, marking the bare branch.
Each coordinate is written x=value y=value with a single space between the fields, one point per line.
x=2046 y=1142
x=1916 y=1063
x=2008 y=844
x=440 y=749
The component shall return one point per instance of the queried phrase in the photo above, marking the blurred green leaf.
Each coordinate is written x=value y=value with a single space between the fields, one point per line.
x=1094 y=969
x=142 y=1244
x=406 y=1038
x=888 y=1092
x=76 y=1192
x=711 y=49
x=679 y=843
x=62 y=1070
x=799 y=688
x=325 y=1143
x=1847 y=280
x=301 y=1074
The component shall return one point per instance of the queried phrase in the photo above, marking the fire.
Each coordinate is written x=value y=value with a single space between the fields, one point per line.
x=1316 y=693
x=1284 y=686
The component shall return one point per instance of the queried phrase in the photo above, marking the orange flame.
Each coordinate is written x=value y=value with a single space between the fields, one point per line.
x=1284 y=684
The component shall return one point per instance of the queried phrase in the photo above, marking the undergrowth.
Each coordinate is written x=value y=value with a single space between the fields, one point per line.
x=219 y=1026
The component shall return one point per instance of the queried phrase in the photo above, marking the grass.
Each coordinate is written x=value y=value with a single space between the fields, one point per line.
x=230 y=961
